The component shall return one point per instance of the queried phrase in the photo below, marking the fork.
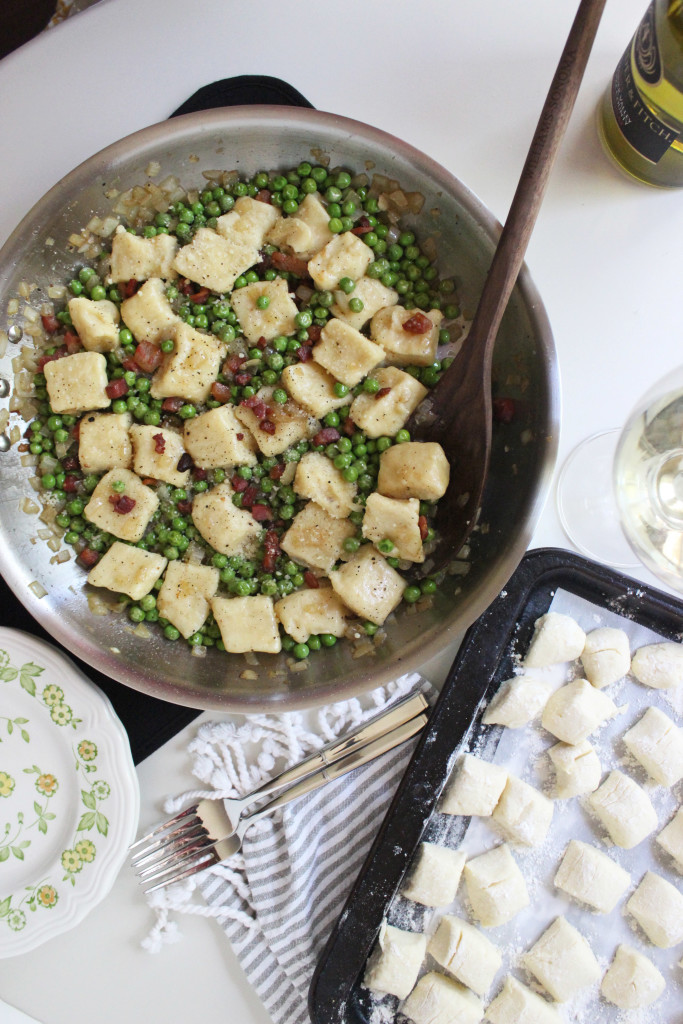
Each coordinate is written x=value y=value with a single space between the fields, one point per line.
x=214 y=837
x=186 y=826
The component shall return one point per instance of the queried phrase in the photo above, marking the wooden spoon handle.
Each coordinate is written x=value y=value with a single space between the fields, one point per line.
x=509 y=254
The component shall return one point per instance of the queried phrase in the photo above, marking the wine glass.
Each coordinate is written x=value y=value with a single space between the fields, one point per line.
x=620 y=492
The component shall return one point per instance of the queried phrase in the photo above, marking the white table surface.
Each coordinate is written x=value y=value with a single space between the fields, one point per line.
x=463 y=81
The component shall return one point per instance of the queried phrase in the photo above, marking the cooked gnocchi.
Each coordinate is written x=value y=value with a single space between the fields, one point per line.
x=229 y=387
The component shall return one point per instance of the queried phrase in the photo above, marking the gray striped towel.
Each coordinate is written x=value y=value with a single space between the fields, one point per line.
x=277 y=900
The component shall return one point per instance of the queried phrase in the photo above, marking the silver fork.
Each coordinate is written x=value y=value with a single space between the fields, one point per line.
x=214 y=837
x=186 y=826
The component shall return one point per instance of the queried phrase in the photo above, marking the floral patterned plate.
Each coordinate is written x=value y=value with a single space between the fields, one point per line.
x=69 y=798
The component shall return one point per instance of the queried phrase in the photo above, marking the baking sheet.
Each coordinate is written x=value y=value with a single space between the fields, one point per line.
x=490 y=653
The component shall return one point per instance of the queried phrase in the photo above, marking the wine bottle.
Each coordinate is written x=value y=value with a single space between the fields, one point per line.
x=641 y=114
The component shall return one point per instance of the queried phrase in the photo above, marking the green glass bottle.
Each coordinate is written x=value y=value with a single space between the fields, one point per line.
x=641 y=114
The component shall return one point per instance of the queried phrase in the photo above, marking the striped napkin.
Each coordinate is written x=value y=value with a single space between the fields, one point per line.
x=278 y=898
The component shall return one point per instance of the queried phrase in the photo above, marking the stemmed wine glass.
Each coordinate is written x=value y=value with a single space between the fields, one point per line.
x=620 y=492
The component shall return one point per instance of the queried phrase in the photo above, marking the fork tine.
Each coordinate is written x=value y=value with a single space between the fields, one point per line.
x=177 y=856
x=201 y=862
x=164 y=827
x=193 y=830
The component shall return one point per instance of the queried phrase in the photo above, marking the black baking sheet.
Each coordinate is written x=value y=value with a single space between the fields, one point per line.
x=148 y=721
x=484 y=660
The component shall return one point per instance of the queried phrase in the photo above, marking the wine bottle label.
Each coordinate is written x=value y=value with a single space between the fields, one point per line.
x=646 y=50
x=646 y=133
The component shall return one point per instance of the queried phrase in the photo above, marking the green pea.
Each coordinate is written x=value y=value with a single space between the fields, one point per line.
x=340 y=390
x=314 y=642
x=356 y=305
x=370 y=628
x=187 y=412
x=328 y=639
x=280 y=396
x=49 y=481
x=412 y=594
x=304 y=318
x=428 y=586
x=351 y=544
x=402 y=436
x=335 y=225
x=135 y=613
x=227 y=333
x=148 y=602
x=430 y=376
x=301 y=651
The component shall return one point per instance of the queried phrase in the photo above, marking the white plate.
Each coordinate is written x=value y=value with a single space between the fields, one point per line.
x=69 y=797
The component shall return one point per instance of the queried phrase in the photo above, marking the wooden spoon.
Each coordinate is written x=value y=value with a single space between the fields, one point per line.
x=458 y=411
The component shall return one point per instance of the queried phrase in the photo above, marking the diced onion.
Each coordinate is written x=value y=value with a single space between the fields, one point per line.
x=37 y=589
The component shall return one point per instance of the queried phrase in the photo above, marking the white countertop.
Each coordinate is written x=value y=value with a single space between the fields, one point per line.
x=464 y=82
